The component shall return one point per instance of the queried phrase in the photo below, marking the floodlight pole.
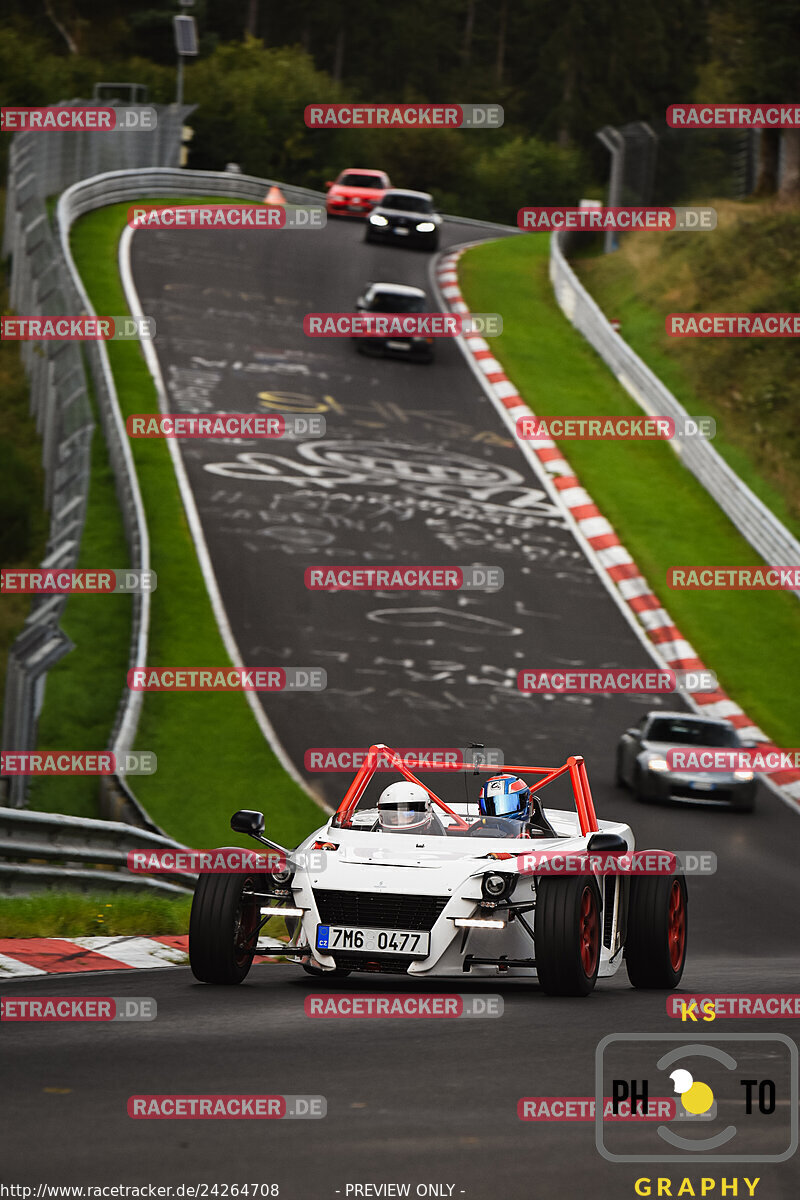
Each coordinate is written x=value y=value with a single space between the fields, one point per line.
x=179 y=81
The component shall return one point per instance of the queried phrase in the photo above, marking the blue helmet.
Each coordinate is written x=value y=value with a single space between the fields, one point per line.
x=504 y=796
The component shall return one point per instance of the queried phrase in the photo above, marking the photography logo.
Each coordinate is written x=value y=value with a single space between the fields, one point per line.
x=736 y=1097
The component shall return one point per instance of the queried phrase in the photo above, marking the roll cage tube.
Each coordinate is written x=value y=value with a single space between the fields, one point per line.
x=574 y=766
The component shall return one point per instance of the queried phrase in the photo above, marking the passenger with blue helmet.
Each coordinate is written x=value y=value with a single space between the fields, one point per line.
x=506 y=801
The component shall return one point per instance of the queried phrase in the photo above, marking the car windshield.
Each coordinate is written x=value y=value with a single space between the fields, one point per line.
x=365 y=815
x=691 y=733
x=353 y=179
x=392 y=302
x=407 y=203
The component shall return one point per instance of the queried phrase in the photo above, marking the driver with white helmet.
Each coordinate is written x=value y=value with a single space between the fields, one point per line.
x=406 y=807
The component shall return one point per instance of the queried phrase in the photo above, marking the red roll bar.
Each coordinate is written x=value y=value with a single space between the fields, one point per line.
x=575 y=766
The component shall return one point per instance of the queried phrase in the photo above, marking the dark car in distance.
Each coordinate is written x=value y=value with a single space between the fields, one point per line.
x=404 y=218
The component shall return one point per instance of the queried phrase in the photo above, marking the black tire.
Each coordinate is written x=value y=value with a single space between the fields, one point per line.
x=336 y=973
x=655 y=948
x=638 y=791
x=567 y=934
x=746 y=804
x=221 y=922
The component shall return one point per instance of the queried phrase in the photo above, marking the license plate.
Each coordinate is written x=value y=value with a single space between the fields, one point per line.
x=399 y=229
x=373 y=941
x=701 y=785
x=398 y=345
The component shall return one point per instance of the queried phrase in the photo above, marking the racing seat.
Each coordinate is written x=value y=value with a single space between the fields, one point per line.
x=537 y=823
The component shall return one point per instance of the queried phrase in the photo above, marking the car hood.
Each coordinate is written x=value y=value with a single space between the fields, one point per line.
x=434 y=866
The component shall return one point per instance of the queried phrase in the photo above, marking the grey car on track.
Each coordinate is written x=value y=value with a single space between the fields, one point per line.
x=642 y=761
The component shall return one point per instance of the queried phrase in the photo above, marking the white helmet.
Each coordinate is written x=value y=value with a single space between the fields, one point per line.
x=404 y=806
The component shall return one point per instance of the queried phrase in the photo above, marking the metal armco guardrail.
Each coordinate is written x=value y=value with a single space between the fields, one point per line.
x=50 y=851
x=44 y=282
x=752 y=518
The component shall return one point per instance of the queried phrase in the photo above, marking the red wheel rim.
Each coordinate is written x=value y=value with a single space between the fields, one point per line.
x=247 y=920
x=589 y=932
x=676 y=928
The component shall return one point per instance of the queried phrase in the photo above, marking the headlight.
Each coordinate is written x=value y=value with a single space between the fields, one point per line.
x=282 y=879
x=744 y=776
x=426 y=227
x=497 y=887
x=658 y=764
x=377 y=219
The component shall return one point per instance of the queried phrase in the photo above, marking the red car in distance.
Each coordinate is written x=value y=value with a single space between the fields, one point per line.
x=355 y=192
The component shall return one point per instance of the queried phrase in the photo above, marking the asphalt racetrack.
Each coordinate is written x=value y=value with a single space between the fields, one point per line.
x=416 y=468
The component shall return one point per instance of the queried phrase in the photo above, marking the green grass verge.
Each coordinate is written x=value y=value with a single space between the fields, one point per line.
x=83 y=690
x=75 y=914
x=749 y=386
x=660 y=512
x=212 y=758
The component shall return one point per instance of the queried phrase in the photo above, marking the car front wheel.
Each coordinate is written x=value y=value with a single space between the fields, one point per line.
x=222 y=927
x=567 y=932
x=655 y=948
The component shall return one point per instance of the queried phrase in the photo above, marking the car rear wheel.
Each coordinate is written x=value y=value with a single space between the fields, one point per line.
x=655 y=949
x=567 y=931
x=222 y=927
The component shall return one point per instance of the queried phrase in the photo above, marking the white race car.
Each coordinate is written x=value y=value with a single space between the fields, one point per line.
x=556 y=896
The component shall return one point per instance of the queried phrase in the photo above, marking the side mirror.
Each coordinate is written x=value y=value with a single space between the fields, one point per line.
x=328 y=183
x=247 y=821
x=749 y=744
x=632 y=732
x=606 y=843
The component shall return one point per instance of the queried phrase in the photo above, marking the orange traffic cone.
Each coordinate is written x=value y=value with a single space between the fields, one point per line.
x=274 y=196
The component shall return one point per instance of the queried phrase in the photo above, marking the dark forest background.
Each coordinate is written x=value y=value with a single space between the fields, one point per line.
x=561 y=69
